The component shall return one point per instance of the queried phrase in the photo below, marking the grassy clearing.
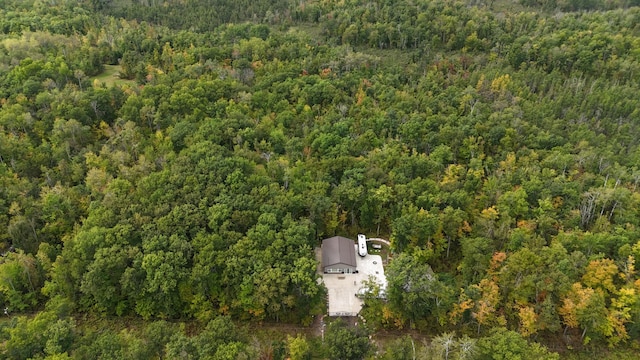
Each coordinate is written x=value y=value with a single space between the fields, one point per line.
x=311 y=29
x=111 y=77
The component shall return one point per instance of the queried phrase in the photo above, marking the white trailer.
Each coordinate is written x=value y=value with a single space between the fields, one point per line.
x=362 y=245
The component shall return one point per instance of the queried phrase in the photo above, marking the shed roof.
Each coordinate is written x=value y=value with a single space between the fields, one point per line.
x=338 y=250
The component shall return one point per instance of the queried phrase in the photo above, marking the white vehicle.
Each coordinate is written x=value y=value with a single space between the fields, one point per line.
x=364 y=291
x=362 y=245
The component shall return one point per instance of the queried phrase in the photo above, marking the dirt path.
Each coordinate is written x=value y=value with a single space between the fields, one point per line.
x=386 y=242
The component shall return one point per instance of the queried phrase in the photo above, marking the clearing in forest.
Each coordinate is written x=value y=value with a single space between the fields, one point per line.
x=111 y=76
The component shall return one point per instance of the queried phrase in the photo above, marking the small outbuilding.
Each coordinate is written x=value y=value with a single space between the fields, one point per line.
x=338 y=255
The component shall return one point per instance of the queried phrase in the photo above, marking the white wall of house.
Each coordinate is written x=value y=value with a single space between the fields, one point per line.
x=339 y=269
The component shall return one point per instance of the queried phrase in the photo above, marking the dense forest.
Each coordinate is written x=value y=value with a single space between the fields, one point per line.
x=172 y=212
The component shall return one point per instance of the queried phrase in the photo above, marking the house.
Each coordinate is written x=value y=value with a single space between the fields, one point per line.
x=338 y=255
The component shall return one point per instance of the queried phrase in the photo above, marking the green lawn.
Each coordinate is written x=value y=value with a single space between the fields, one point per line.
x=110 y=76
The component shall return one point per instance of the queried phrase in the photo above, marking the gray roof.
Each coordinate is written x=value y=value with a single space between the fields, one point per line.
x=338 y=250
